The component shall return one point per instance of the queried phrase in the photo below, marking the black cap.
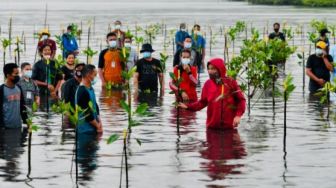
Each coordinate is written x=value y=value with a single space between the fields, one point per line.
x=146 y=48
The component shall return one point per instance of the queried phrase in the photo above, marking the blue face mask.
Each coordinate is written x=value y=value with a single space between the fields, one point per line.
x=185 y=61
x=187 y=45
x=146 y=55
x=94 y=81
x=28 y=74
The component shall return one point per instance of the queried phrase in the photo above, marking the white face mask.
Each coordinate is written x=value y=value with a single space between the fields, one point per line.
x=28 y=74
x=128 y=44
x=118 y=26
x=185 y=61
x=187 y=45
x=319 y=52
x=113 y=43
x=44 y=37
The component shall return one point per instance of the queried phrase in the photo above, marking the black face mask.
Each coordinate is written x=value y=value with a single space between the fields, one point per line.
x=216 y=78
x=276 y=30
x=16 y=79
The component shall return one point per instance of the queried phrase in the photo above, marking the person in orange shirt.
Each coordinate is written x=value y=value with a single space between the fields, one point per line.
x=189 y=82
x=110 y=64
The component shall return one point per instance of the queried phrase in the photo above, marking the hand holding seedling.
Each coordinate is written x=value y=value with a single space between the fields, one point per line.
x=185 y=97
x=182 y=105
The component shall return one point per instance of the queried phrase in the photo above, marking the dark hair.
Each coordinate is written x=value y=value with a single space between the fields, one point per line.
x=128 y=37
x=186 y=51
x=23 y=65
x=111 y=34
x=9 y=68
x=276 y=24
x=324 y=31
x=188 y=37
x=43 y=46
x=70 y=53
x=80 y=65
x=69 y=27
x=198 y=26
x=88 y=69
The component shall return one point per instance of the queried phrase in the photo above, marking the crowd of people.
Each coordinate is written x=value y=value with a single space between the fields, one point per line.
x=44 y=82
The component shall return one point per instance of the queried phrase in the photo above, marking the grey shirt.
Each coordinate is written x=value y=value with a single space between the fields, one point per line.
x=30 y=91
x=11 y=107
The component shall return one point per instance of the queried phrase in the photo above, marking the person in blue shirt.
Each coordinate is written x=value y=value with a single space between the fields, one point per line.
x=199 y=44
x=180 y=36
x=69 y=42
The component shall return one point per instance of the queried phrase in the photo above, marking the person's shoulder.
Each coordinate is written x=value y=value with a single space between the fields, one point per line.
x=156 y=61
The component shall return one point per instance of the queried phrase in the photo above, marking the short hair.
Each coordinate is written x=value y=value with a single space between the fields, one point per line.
x=70 y=27
x=128 y=37
x=111 y=34
x=9 y=68
x=188 y=37
x=23 y=65
x=276 y=24
x=44 y=46
x=117 y=22
x=80 y=65
x=198 y=26
x=88 y=69
x=186 y=51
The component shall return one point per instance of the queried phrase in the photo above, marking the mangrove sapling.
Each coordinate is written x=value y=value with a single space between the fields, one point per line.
x=177 y=80
x=89 y=54
x=5 y=44
x=302 y=62
x=141 y=111
x=10 y=30
x=332 y=29
x=288 y=88
x=312 y=37
x=88 y=43
x=151 y=32
x=163 y=60
x=324 y=95
x=138 y=41
x=17 y=51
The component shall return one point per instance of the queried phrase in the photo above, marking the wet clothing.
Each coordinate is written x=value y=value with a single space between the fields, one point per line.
x=318 y=68
x=120 y=38
x=220 y=111
x=46 y=73
x=12 y=107
x=148 y=74
x=279 y=35
x=110 y=62
x=30 y=91
x=69 y=43
x=51 y=43
x=69 y=91
x=84 y=96
x=188 y=84
x=195 y=58
x=68 y=73
x=180 y=37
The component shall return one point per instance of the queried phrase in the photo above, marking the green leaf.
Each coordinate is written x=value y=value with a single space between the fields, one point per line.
x=134 y=123
x=142 y=109
x=113 y=138
x=138 y=141
x=300 y=56
x=125 y=106
x=35 y=128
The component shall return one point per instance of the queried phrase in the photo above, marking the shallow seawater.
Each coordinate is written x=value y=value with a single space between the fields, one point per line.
x=251 y=156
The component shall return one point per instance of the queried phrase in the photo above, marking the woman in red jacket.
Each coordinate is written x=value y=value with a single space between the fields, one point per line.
x=222 y=95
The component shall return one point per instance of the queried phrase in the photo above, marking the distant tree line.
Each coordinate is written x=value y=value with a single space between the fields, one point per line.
x=310 y=3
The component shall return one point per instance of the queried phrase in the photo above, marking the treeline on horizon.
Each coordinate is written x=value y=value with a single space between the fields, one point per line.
x=308 y=3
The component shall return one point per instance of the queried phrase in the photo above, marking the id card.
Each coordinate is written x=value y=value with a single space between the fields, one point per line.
x=29 y=95
x=113 y=64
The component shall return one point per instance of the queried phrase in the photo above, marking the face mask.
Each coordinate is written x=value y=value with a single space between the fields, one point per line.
x=44 y=37
x=183 y=29
x=16 y=79
x=94 y=81
x=276 y=30
x=113 y=43
x=28 y=74
x=319 y=52
x=78 y=73
x=127 y=45
x=117 y=26
x=146 y=55
x=214 y=76
x=187 y=45
x=185 y=61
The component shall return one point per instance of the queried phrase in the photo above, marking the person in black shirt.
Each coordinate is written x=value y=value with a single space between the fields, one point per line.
x=68 y=68
x=45 y=74
x=277 y=33
x=318 y=68
x=70 y=86
x=149 y=71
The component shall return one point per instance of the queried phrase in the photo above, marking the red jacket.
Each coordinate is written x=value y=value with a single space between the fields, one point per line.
x=188 y=84
x=220 y=112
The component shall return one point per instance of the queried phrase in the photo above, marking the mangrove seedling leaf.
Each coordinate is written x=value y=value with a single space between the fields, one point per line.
x=113 y=138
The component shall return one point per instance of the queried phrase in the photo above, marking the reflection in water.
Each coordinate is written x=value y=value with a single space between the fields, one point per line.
x=87 y=154
x=221 y=147
x=111 y=98
x=11 y=147
x=150 y=98
x=186 y=118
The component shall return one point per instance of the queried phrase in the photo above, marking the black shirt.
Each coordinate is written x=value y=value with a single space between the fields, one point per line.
x=318 y=68
x=148 y=74
x=41 y=70
x=83 y=99
x=68 y=73
x=69 y=91
x=277 y=35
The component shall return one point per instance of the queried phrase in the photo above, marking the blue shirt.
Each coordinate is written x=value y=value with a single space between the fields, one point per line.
x=179 y=37
x=198 y=42
x=69 y=44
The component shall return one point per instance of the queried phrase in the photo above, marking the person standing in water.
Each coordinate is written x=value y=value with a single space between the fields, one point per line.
x=222 y=95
